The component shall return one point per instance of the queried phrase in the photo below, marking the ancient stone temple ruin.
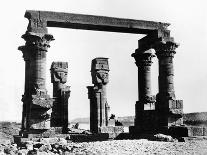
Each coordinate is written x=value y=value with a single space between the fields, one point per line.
x=153 y=113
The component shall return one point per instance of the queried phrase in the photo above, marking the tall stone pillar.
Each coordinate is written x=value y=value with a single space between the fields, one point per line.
x=61 y=93
x=97 y=94
x=144 y=108
x=169 y=109
x=36 y=101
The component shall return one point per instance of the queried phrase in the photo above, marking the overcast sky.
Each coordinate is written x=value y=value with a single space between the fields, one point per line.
x=188 y=20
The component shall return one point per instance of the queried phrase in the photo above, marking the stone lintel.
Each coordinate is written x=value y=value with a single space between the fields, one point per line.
x=39 y=20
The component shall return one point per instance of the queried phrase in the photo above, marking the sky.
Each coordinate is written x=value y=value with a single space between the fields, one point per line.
x=188 y=19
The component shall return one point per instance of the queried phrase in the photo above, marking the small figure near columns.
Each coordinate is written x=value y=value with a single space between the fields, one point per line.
x=61 y=93
x=97 y=94
x=36 y=102
x=144 y=108
x=169 y=109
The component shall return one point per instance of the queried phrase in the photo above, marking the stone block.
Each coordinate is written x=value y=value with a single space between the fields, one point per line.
x=106 y=129
x=178 y=131
x=134 y=130
x=175 y=104
x=149 y=106
x=39 y=123
x=111 y=122
x=195 y=131
x=118 y=129
x=204 y=131
x=112 y=132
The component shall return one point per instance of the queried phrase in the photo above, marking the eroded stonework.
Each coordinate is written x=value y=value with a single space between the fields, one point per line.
x=160 y=112
x=99 y=107
x=36 y=102
x=61 y=93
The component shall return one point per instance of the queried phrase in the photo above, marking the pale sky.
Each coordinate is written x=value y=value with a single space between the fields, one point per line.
x=188 y=20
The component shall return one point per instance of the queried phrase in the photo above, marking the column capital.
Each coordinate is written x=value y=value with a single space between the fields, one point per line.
x=37 y=41
x=59 y=72
x=143 y=58
x=100 y=71
x=165 y=48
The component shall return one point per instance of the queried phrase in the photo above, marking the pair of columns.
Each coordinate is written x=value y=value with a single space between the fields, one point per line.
x=165 y=103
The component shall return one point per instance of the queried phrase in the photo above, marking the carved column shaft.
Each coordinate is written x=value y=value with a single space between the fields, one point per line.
x=36 y=102
x=38 y=69
x=143 y=61
x=169 y=109
x=97 y=94
x=26 y=87
x=144 y=81
x=166 y=74
x=61 y=93
x=165 y=53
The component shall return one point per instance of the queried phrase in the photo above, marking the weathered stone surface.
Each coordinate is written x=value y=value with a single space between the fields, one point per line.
x=113 y=131
x=111 y=122
x=61 y=93
x=195 y=131
x=145 y=116
x=168 y=108
x=39 y=20
x=99 y=107
x=35 y=97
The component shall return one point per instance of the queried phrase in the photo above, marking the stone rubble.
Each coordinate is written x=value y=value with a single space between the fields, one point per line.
x=133 y=147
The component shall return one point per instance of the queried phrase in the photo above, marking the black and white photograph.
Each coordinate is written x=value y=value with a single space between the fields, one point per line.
x=103 y=77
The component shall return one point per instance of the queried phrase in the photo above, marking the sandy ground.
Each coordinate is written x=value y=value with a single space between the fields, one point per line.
x=139 y=147
x=113 y=147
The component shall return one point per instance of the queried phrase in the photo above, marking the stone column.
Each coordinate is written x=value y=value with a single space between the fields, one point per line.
x=169 y=109
x=97 y=94
x=146 y=99
x=25 y=110
x=61 y=93
x=36 y=102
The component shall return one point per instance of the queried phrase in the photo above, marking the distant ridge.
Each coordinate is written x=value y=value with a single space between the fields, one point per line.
x=196 y=118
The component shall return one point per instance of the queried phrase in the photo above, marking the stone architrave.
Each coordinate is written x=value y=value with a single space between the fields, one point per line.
x=61 y=93
x=144 y=108
x=168 y=108
x=97 y=94
x=36 y=102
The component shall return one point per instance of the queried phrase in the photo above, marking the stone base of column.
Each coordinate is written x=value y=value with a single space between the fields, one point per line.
x=52 y=132
x=146 y=117
x=170 y=112
x=20 y=141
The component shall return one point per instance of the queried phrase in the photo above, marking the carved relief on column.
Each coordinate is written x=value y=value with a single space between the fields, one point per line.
x=35 y=99
x=61 y=93
x=169 y=109
x=97 y=94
